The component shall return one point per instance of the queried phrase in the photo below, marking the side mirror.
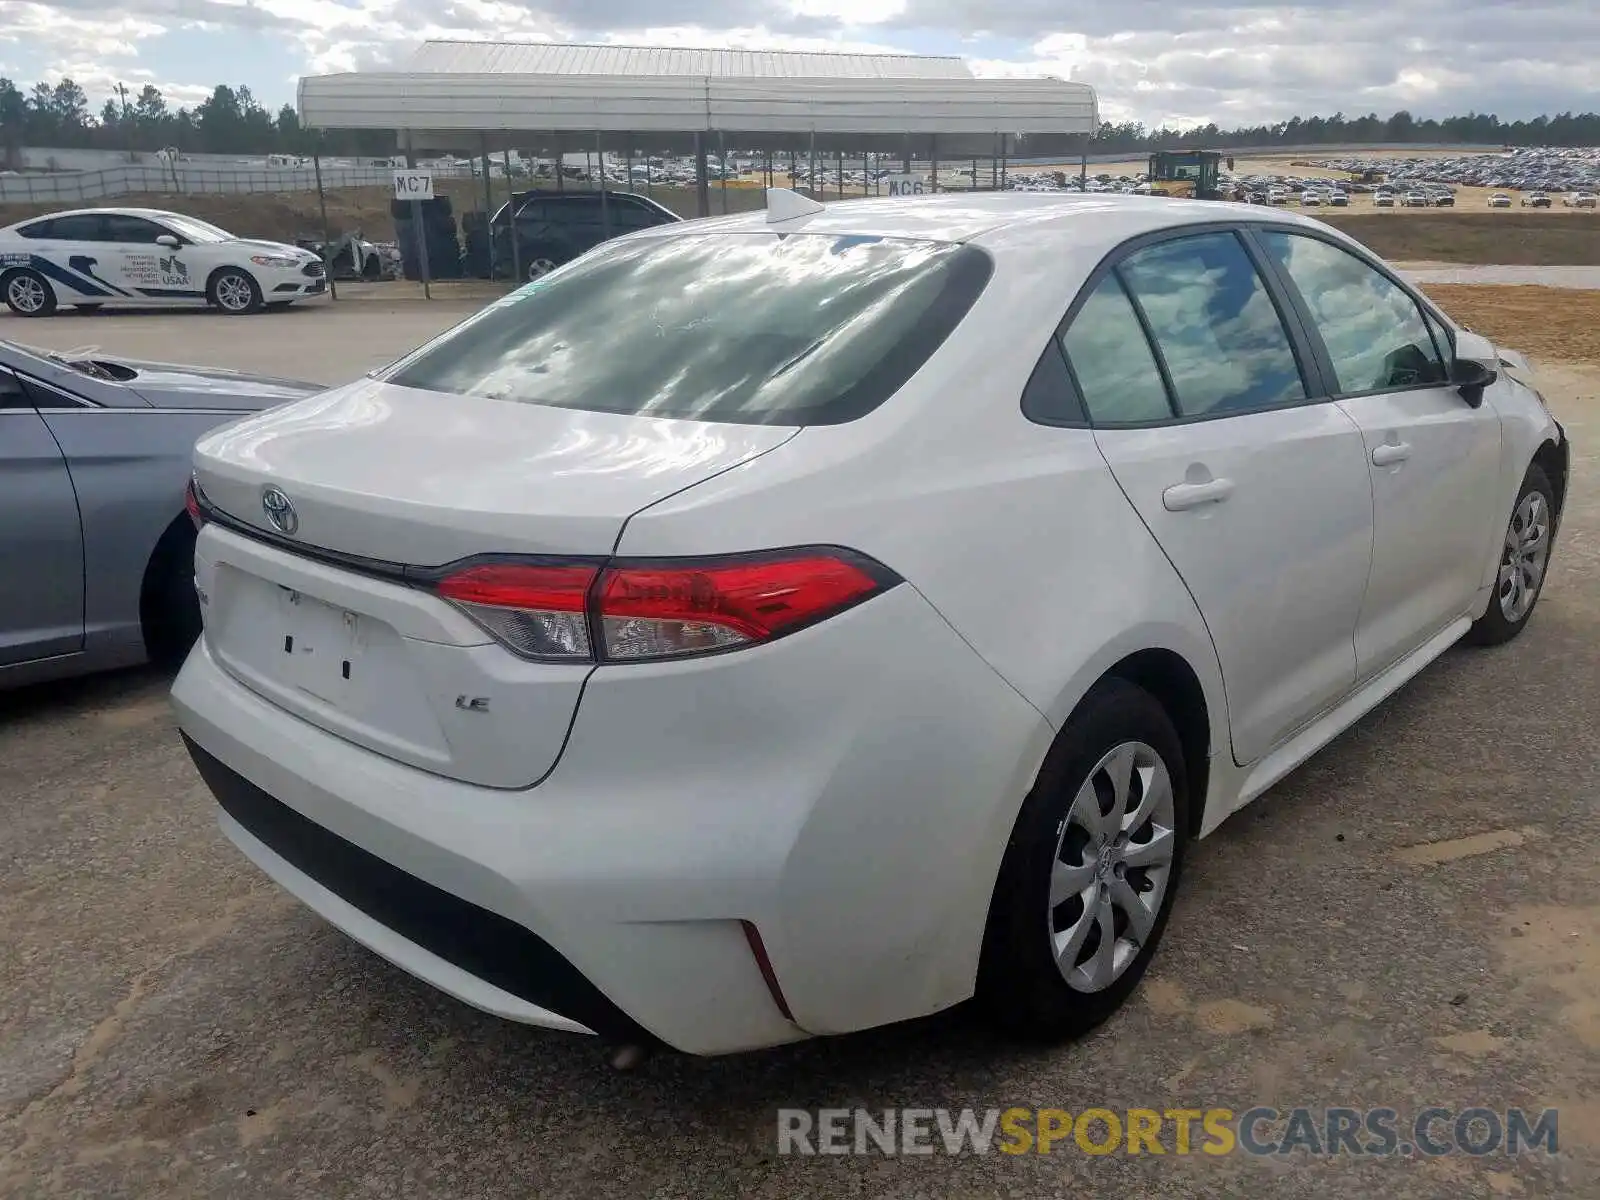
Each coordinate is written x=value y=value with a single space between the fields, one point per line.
x=1476 y=366
x=1472 y=379
x=169 y=241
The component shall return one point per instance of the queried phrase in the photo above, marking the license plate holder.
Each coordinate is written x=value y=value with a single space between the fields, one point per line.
x=320 y=646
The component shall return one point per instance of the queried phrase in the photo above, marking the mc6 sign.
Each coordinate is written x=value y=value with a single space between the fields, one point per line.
x=412 y=184
x=906 y=185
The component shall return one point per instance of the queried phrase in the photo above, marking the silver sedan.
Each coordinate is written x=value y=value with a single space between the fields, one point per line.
x=96 y=550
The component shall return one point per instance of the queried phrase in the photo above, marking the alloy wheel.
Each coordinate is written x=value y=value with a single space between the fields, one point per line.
x=26 y=294
x=1526 y=555
x=1112 y=864
x=539 y=268
x=234 y=293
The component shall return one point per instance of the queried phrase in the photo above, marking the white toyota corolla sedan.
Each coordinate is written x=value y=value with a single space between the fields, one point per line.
x=145 y=258
x=790 y=623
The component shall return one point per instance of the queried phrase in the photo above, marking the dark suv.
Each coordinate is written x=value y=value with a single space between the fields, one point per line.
x=556 y=227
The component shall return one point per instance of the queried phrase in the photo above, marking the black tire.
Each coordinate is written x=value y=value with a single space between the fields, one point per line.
x=1021 y=990
x=372 y=269
x=28 y=293
x=539 y=259
x=169 y=608
x=1504 y=619
x=232 y=290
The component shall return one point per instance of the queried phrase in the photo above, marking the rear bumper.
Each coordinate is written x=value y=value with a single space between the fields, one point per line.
x=473 y=954
x=848 y=791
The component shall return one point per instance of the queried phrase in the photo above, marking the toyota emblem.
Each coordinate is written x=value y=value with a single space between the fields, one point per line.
x=280 y=512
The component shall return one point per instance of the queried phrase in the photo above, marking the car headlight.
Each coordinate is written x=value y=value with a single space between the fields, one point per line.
x=274 y=260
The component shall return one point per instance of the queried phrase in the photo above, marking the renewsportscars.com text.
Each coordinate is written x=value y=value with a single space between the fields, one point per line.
x=1429 y=1132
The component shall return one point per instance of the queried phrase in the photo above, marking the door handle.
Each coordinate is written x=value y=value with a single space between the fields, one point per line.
x=1390 y=453
x=1182 y=496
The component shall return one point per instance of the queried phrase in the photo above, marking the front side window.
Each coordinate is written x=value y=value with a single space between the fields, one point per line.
x=807 y=329
x=1374 y=331
x=1215 y=324
x=1116 y=372
x=573 y=210
x=630 y=214
x=120 y=227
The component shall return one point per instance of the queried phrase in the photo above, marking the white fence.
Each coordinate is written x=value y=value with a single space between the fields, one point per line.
x=83 y=186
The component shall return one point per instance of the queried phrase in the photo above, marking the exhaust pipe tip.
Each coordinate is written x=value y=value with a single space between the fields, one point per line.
x=628 y=1057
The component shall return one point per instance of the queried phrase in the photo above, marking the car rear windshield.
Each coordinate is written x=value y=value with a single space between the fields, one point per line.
x=757 y=329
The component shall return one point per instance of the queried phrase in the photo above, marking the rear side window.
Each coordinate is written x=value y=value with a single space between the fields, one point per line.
x=755 y=329
x=1215 y=325
x=82 y=227
x=1117 y=374
x=1374 y=332
x=39 y=229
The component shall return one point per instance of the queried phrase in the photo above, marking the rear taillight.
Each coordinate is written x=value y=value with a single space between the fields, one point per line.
x=654 y=609
x=536 y=610
x=191 y=503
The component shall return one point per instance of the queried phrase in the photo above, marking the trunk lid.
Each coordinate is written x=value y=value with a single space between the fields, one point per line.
x=433 y=478
x=402 y=476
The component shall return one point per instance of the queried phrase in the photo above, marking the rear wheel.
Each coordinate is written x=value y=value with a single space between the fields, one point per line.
x=234 y=291
x=1088 y=878
x=539 y=262
x=29 y=294
x=1524 y=561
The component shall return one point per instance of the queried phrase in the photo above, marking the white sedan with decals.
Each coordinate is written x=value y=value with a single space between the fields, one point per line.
x=145 y=258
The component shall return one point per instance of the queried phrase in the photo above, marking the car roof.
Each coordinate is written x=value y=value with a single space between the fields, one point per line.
x=155 y=213
x=962 y=217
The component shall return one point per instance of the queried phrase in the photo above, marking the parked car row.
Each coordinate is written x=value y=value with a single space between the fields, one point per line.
x=1547 y=169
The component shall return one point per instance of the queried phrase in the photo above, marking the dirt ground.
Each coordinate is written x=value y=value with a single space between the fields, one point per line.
x=1513 y=238
x=1411 y=919
x=1547 y=324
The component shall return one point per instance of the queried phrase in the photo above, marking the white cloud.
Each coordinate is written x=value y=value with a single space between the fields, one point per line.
x=1240 y=61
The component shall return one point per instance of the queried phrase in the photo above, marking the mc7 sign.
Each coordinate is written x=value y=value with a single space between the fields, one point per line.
x=413 y=185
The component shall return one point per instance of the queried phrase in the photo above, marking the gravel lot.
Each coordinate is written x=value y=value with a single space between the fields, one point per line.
x=171 y=1025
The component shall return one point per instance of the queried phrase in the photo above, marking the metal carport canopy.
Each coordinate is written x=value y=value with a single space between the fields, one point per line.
x=554 y=113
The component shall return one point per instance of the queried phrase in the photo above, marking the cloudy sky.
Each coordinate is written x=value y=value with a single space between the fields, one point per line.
x=1152 y=60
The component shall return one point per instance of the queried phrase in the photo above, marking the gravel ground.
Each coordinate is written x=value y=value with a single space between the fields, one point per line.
x=173 y=1026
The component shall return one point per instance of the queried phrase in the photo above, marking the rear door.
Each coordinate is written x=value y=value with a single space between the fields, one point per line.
x=1255 y=488
x=41 y=539
x=1433 y=458
x=74 y=258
